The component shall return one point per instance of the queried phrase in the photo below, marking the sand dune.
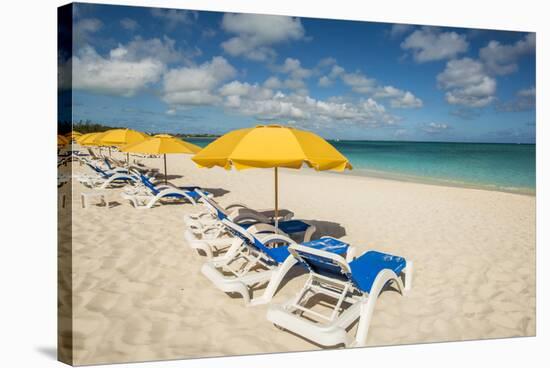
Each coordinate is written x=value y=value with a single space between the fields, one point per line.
x=138 y=293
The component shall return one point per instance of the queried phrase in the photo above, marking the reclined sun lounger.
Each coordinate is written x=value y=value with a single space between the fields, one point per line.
x=209 y=215
x=353 y=288
x=256 y=259
x=213 y=237
x=148 y=193
x=113 y=164
x=104 y=178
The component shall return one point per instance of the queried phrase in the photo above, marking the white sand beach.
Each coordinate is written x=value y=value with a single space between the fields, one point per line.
x=138 y=293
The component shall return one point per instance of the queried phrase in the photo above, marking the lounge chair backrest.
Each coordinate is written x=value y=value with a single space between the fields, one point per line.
x=145 y=180
x=106 y=160
x=212 y=205
x=98 y=170
x=321 y=262
x=277 y=255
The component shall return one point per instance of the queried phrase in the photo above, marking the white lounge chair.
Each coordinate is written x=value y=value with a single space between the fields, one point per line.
x=351 y=289
x=209 y=215
x=255 y=259
x=148 y=194
x=212 y=236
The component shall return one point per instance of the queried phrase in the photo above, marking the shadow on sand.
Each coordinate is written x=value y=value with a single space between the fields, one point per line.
x=327 y=228
x=217 y=192
x=169 y=177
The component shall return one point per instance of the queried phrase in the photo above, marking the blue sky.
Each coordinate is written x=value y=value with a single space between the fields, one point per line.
x=177 y=71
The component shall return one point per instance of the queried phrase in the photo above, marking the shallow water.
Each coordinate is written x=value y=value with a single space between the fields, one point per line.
x=507 y=167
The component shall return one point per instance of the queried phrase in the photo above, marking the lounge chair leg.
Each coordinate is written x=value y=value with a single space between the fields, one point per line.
x=274 y=282
x=367 y=306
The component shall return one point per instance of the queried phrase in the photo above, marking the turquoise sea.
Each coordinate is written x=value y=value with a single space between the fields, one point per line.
x=505 y=167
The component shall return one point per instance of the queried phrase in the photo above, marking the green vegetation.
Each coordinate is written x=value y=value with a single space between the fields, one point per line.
x=83 y=127
x=90 y=127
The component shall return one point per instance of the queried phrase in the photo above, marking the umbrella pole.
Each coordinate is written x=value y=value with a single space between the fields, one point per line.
x=128 y=159
x=276 y=198
x=109 y=151
x=165 y=174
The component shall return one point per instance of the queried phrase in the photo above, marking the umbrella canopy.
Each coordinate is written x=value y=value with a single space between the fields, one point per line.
x=121 y=137
x=73 y=134
x=91 y=139
x=271 y=146
x=83 y=137
x=162 y=146
x=61 y=140
x=163 y=135
x=266 y=146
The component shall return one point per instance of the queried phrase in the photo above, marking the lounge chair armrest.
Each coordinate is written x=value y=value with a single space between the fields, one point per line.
x=235 y=205
x=262 y=228
x=242 y=214
x=350 y=254
x=276 y=237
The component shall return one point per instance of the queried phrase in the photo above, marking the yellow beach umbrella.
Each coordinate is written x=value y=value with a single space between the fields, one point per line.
x=91 y=139
x=163 y=136
x=162 y=146
x=61 y=140
x=88 y=139
x=83 y=136
x=73 y=134
x=271 y=146
x=122 y=137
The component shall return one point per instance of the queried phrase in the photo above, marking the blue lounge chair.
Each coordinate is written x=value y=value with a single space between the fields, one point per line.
x=105 y=174
x=148 y=194
x=213 y=237
x=105 y=178
x=353 y=288
x=257 y=258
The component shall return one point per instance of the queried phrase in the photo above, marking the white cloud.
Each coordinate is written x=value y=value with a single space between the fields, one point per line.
x=250 y=91
x=398 y=98
x=163 y=50
x=525 y=100
x=467 y=83
x=257 y=34
x=397 y=30
x=428 y=45
x=362 y=84
x=336 y=71
x=129 y=24
x=273 y=83
x=116 y=74
x=502 y=59
x=84 y=28
x=406 y=100
x=400 y=133
x=175 y=17
x=527 y=92
x=208 y=32
x=328 y=61
x=195 y=85
x=266 y=104
x=296 y=75
x=358 y=82
x=294 y=68
x=435 y=128
x=295 y=84
x=324 y=81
